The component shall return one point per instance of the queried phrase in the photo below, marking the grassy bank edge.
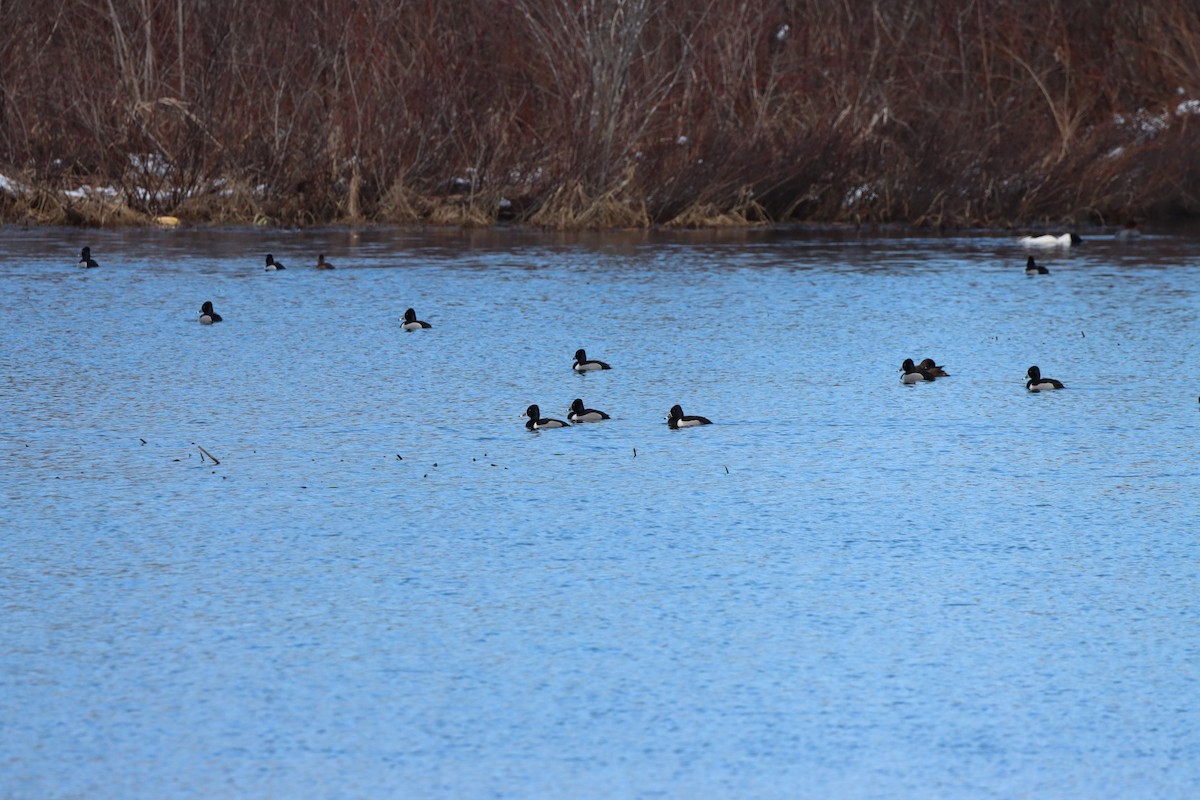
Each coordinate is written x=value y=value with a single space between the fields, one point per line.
x=568 y=209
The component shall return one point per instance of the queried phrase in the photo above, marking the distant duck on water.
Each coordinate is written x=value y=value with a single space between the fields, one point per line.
x=677 y=419
x=1034 y=268
x=85 y=258
x=1037 y=383
x=272 y=264
x=207 y=315
x=411 y=323
x=1049 y=240
x=585 y=364
x=578 y=413
x=934 y=369
x=537 y=422
x=322 y=263
x=1129 y=232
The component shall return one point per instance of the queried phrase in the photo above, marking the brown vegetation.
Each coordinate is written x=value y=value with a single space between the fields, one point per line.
x=599 y=113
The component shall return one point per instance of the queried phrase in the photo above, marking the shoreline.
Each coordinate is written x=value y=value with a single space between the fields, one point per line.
x=103 y=208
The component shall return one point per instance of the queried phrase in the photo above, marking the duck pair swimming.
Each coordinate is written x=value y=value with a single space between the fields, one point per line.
x=927 y=370
x=272 y=265
x=577 y=413
x=85 y=258
x=411 y=323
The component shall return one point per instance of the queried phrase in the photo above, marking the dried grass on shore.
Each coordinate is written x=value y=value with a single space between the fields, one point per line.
x=610 y=113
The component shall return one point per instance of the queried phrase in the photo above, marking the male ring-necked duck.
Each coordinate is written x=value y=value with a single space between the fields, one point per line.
x=913 y=373
x=1037 y=383
x=1049 y=240
x=676 y=419
x=272 y=264
x=580 y=414
x=1034 y=268
x=85 y=258
x=584 y=364
x=537 y=421
x=934 y=369
x=411 y=323
x=322 y=263
x=207 y=315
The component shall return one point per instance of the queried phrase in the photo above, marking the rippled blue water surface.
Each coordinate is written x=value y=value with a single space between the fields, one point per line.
x=388 y=587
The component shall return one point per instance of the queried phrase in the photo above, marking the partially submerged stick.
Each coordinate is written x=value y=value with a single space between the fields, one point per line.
x=210 y=455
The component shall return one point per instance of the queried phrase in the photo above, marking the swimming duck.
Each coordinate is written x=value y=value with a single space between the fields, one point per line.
x=411 y=323
x=272 y=264
x=537 y=421
x=322 y=263
x=1129 y=232
x=1034 y=268
x=1049 y=240
x=676 y=419
x=933 y=369
x=580 y=414
x=207 y=315
x=584 y=364
x=85 y=258
x=913 y=373
x=1037 y=383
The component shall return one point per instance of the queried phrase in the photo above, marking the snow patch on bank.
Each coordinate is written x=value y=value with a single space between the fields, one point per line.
x=1187 y=108
x=1146 y=125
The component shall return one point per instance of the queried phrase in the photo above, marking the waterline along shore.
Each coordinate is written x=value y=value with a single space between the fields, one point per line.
x=605 y=114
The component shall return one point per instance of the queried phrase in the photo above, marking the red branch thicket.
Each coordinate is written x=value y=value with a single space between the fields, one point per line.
x=600 y=113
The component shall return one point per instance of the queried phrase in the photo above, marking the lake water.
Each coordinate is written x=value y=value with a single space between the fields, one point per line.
x=844 y=587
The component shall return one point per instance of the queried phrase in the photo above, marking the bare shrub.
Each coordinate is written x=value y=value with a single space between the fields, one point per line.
x=596 y=113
